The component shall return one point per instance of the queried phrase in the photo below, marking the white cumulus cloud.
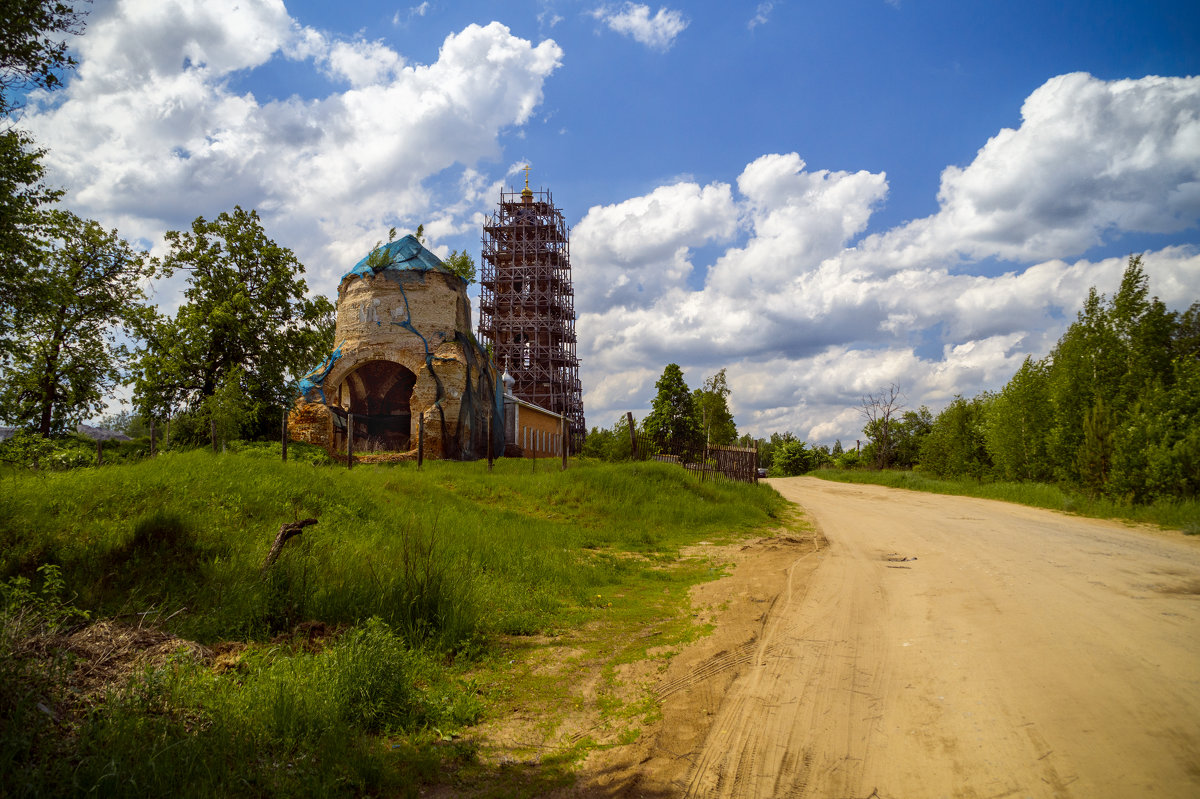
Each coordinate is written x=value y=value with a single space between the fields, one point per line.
x=808 y=319
x=148 y=137
x=634 y=20
x=1091 y=160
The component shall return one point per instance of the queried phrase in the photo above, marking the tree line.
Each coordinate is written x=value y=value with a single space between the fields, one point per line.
x=1112 y=410
x=681 y=422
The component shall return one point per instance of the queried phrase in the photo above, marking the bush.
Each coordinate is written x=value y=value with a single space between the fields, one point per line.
x=792 y=458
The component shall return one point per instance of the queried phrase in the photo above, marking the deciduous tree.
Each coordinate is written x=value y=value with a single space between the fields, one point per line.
x=712 y=406
x=1018 y=422
x=245 y=308
x=955 y=445
x=33 y=54
x=879 y=411
x=84 y=287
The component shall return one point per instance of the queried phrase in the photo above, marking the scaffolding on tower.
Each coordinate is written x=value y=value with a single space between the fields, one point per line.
x=527 y=304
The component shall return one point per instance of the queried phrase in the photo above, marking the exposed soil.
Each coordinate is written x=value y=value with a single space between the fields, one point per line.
x=936 y=646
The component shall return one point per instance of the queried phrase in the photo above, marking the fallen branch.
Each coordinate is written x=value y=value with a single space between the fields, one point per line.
x=285 y=532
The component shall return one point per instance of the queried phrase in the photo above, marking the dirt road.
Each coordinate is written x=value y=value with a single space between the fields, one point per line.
x=941 y=646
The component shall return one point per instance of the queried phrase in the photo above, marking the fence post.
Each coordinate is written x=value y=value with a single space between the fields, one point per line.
x=564 y=442
x=489 y=438
x=283 y=436
x=212 y=427
x=633 y=453
x=420 y=440
x=349 y=441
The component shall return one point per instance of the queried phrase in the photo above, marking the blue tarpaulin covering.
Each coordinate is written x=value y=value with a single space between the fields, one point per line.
x=405 y=253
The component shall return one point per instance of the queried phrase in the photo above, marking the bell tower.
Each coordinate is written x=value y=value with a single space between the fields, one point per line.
x=527 y=303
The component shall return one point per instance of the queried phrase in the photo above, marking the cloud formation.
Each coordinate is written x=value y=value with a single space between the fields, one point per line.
x=774 y=273
x=1091 y=161
x=762 y=15
x=657 y=32
x=147 y=137
x=807 y=324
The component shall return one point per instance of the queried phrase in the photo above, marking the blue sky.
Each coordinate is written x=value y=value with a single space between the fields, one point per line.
x=824 y=198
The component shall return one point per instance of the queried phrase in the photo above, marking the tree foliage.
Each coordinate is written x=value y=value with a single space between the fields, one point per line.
x=461 y=264
x=712 y=407
x=24 y=227
x=33 y=53
x=1114 y=409
x=245 y=308
x=671 y=425
x=1018 y=422
x=955 y=444
x=85 y=285
x=908 y=433
x=610 y=444
x=792 y=458
x=34 y=45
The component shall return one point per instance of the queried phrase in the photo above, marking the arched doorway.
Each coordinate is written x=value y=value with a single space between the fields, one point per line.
x=377 y=394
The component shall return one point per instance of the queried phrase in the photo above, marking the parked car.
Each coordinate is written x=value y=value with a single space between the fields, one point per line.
x=762 y=473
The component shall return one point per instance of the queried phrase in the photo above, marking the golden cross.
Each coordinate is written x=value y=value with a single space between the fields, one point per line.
x=527 y=176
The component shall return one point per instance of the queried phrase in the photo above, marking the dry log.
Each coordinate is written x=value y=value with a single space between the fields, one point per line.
x=286 y=531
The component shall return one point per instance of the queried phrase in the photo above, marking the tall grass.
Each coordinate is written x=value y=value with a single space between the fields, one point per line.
x=416 y=573
x=443 y=554
x=1175 y=514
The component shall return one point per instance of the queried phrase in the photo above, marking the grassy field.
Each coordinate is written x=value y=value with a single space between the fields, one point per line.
x=145 y=650
x=1177 y=515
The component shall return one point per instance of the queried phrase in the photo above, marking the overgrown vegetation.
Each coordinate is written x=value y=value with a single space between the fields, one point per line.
x=348 y=666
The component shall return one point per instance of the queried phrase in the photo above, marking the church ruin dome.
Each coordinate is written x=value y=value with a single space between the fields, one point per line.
x=404 y=354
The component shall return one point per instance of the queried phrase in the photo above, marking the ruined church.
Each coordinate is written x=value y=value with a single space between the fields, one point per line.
x=407 y=372
x=405 y=365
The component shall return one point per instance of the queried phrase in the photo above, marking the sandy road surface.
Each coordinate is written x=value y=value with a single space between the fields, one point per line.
x=943 y=646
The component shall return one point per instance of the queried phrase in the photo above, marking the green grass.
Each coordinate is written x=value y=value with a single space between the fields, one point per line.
x=1178 y=515
x=430 y=577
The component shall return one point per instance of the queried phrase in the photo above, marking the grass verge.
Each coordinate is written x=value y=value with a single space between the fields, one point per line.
x=1178 y=515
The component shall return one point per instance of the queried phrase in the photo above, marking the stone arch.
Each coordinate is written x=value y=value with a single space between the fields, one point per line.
x=378 y=393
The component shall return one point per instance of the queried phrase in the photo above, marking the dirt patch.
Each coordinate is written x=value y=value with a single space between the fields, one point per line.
x=690 y=687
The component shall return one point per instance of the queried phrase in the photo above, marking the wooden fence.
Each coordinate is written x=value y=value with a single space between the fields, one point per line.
x=736 y=463
x=732 y=463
